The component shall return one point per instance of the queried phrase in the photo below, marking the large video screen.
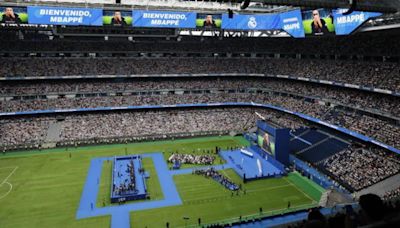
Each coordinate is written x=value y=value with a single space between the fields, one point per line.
x=266 y=141
x=13 y=15
x=208 y=21
x=318 y=22
x=117 y=18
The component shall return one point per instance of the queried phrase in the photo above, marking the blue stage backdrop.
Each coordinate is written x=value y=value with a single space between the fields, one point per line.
x=163 y=19
x=278 y=145
x=346 y=24
x=64 y=16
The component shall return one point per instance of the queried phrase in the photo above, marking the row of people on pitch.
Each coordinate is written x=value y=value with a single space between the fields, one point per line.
x=215 y=175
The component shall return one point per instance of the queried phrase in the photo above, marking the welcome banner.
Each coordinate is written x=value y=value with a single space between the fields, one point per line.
x=64 y=16
x=163 y=19
x=346 y=24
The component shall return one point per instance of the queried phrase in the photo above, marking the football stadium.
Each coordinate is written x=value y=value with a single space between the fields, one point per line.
x=200 y=113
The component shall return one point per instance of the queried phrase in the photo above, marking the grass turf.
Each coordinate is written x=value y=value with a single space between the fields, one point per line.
x=206 y=199
x=47 y=186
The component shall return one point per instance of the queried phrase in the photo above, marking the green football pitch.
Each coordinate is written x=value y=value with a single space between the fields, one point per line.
x=43 y=188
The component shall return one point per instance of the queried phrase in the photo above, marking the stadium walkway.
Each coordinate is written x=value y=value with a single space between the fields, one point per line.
x=381 y=187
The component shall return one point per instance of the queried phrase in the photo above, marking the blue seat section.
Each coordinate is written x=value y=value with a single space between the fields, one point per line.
x=297 y=145
x=323 y=150
x=314 y=136
x=299 y=131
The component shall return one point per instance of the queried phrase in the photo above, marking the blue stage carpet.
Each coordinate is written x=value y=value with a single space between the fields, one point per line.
x=243 y=164
x=120 y=213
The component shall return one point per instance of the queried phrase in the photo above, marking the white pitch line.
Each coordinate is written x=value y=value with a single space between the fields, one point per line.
x=12 y=172
x=5 y=181
x=250 y=191
x=6 y=194
x=301 y=191
x=269 y=188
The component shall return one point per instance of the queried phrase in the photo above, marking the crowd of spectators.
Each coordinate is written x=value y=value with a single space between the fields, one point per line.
x=215 y=175
x=393 y=194
x=356 y=98
x=16 y=130
x=372 y=74
x=24 y=131
x=360 y=167
x=156 y=99
x=374 y=127
x=154 y=122
x=191 y=159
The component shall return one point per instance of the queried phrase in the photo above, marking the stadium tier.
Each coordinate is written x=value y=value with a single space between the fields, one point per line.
x=186 y=114
x=377 y=75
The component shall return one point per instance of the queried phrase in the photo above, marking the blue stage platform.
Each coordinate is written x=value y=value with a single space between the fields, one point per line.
x=245 y=164
x=126 y=173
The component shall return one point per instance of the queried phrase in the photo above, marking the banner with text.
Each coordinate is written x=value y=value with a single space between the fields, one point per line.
x=346 y=24
x=163 y=19
x=292 y=23
x=64 y=16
